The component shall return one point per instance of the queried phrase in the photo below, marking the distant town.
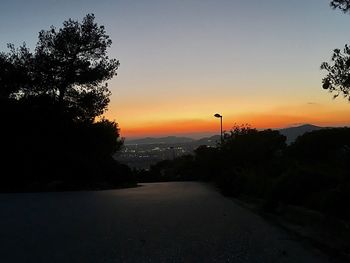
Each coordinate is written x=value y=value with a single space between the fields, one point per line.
x=142 y=153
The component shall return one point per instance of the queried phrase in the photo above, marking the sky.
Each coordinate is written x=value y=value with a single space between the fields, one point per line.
x=254 y=62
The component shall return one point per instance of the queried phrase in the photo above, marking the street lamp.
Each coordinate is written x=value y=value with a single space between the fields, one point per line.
x=217 y=115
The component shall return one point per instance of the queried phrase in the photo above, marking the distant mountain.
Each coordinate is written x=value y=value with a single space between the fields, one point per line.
x=293 y=132
x=162 y=140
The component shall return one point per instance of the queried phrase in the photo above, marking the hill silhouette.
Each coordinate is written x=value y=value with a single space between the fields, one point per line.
x=291 y=133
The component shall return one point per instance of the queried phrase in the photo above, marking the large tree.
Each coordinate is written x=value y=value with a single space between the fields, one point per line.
x=337 y=80
x=49 y=100
x=69 y=66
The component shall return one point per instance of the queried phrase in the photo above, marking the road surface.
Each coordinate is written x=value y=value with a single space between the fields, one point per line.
x=160 y=222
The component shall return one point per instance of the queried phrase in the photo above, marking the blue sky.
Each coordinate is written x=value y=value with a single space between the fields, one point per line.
x=181 y=61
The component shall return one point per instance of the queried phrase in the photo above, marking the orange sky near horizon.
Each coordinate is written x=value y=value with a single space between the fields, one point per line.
x=198 y=119
x=254 y=62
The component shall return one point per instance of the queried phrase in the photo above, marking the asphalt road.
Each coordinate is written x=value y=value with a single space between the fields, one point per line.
x=160 y=222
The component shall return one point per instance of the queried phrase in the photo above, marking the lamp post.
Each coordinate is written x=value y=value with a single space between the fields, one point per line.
x=217 y=115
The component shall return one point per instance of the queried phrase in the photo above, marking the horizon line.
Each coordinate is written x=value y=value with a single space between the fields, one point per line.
x=203 y=134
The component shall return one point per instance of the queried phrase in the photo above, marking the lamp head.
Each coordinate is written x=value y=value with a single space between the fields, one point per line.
x=217 y=115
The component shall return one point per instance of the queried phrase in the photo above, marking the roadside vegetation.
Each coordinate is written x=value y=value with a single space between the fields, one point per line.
x=52 y=100
x=312 y=172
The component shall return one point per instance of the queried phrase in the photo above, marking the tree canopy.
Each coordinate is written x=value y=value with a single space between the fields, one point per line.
x=343 y=5
x=338 y=77
x=69 y=67
x=337 y=80
x=49 y=101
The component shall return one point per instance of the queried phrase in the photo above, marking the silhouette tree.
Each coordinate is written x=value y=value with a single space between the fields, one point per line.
x=338 y=77
x=73 y=65
x=108 y=138
x=15 y=70
x=49 y=101
x=343 y=5
x=70 y=66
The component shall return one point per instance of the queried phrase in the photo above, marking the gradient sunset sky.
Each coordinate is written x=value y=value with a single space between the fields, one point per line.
x=255 y=62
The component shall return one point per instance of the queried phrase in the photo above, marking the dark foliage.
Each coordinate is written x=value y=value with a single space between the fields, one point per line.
x=343 y=5
x=49 y=101
x=179 y=169
x=15 y=71
x=41 y=152
x=337 y=80
x=338 y=77
x=317 y=174
x=257 y=158
x=70 y=66
x=312 y=172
